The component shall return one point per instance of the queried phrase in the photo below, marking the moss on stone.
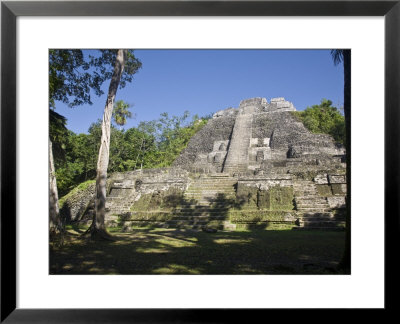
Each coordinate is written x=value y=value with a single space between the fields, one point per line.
x=78 y=189
x=158 y=216
x=324 y=190
x=337 y=189
x=247 y=196
x=306 y=174
x=265 y=226
x=242 y=216
x=215 y=224
x=264 y=199
x=275 y=198
x=143 y=203
x=280 y=198
x=160 y=200
x=74 y=205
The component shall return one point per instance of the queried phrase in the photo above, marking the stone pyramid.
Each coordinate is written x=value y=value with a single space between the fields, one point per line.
x=252 y=166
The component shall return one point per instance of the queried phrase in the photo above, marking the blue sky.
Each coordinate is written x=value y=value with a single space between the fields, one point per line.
x=205 y=81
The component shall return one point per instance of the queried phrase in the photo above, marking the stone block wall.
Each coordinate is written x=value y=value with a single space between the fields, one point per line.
x=268 y=193
x=279 y=104
x=333 y=187
x=195 y=157
x=148 y=188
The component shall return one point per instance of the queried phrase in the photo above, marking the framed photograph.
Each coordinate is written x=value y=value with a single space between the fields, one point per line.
x=45 y=284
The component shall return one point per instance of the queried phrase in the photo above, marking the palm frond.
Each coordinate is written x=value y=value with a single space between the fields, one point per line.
x=337 y=56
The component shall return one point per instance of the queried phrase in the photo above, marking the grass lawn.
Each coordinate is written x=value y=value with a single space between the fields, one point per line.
x=173 y=251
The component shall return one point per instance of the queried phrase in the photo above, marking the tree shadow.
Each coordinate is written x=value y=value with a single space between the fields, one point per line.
x=184 y=247
x=180 y=251
x=210 y=212
x=331 y=220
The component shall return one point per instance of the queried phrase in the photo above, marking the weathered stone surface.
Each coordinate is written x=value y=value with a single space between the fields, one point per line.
x=195 y=156
x=144 y=189
x=321 y=179
x=256 y=123
x=324 y=190
x=336 y=179
x=339 y=189
x=336 y=202
x=225 y=112
x=292 y=152
x=276 y=198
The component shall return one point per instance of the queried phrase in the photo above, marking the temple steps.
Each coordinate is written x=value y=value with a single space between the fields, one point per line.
x=237 y=157
x=217 y=208
x=322 y=224
x=209 y=199
x=320 y=220
x=315 y=212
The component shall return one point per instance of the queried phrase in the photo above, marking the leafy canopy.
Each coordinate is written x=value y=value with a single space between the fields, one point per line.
x=73 y=74
x=324 y=118
x=151 y=144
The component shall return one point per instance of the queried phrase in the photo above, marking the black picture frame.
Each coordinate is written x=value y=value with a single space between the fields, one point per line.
x=10 y=10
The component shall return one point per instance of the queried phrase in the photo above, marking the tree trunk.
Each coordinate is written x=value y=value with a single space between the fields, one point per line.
x=55 y=224
x=98 y=227
x=346 y=260
x=140 y=150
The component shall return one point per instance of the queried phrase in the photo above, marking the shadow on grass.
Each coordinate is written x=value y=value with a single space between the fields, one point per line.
x=177 y=251
x=184 y=251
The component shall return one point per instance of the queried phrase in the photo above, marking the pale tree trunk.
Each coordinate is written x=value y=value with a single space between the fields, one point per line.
x=54 y=213
x=98 y=227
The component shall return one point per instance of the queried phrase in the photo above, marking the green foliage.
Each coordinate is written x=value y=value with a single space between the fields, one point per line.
x=58 y=134
x=151 y=144
x=79 y=163
x=121 y=112
x=174 y=134
x=74 y=74
x=324 y=118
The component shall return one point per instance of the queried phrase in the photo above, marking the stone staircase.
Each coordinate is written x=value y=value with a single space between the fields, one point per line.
x=118 y=205
x=314 y=210
x=207 y=199
x=238 y=154
x=321 y=221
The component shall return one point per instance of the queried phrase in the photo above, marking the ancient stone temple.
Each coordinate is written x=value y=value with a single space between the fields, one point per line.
x=252 y=166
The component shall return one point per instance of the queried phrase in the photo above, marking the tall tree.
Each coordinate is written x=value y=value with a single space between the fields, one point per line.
x=57 y=134
x=55 y=221
x=98 y=228
x=75 y=74
x=344 y=56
